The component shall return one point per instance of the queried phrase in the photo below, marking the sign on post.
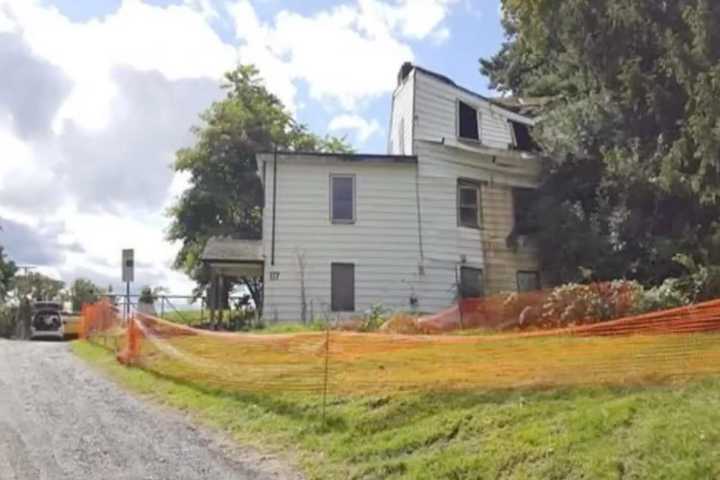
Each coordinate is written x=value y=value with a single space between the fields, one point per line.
x=128 y=265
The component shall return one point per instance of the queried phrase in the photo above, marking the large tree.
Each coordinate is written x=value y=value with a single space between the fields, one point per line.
x=225 y=192
x=630 y=128
x=82 y=292
x=8 y=269
x=37 y=286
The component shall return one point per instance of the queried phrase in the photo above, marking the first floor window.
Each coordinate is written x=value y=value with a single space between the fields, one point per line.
x=528 y=281
x=342 y=198
x=468 y=199
x=342 y=285
x=471 y=282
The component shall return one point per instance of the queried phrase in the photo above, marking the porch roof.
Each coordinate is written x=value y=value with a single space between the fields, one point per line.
x=232 y=256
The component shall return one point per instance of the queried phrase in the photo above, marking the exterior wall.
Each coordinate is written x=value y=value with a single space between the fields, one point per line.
x=436 y=114
x=401 y=118
x=447 y=246
x=383 y=243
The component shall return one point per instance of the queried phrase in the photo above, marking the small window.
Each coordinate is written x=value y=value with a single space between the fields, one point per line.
x=471 y=282
x=523 y=201
x=469 y=206
x=468 y=122
x=522 y=140
x=342 y=198
x=528 y=281
x=342 y=285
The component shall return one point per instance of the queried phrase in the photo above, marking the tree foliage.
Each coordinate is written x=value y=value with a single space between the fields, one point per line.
x=8 y=269
x=36 y=286
x=631 y=130
x=82 y=292
x=225 y=192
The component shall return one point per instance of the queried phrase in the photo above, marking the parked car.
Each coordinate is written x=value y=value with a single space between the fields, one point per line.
x=71 y=324
x=47 y=321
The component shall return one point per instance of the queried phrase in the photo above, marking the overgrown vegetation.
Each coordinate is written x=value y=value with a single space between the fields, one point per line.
x=630 y=128
x=604 y=433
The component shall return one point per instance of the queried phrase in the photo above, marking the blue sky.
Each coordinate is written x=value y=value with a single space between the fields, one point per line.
x=97 y=96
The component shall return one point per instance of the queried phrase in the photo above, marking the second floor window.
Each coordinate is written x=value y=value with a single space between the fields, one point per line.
x=469 y=205
x=468 y=122
x=342 y=198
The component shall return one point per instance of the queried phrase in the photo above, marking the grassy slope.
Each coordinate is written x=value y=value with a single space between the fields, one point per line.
x=659 y=432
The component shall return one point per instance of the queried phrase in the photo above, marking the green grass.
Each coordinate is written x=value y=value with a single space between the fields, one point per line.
x=192 y=317
x=668 y=432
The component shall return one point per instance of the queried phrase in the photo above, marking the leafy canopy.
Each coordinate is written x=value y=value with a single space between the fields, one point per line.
x=631 y=128
x=225 y=192
x=83 y=292
x=8 y=269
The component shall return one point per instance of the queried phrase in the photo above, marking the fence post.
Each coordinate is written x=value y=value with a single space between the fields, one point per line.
x=325 y=374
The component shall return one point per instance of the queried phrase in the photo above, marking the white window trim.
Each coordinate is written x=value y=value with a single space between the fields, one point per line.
x=463 y=183
x=354 y=200
x=478 y=114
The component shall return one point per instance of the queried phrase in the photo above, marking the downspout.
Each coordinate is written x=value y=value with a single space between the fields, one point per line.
x=274 y=209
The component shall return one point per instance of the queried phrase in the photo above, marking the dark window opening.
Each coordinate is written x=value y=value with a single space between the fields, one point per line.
x=469 y=204
x=522 y=139
x=342 y=286
x=468 y=122
x=524 y=211
x=342 y=199
x=471 y=282
x=528 y=281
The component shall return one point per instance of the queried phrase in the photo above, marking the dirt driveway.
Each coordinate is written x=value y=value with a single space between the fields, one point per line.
x=61 y=420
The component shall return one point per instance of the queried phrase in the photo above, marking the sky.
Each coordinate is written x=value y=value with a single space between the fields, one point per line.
x=96 y=96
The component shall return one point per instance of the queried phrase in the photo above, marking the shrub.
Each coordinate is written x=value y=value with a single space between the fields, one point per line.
x=668 y=295
x=7 y=321
x=374 y=318
x=576 y=304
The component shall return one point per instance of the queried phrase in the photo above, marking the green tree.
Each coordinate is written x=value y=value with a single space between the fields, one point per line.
x=225 y=192
x=37 y=286
x=83 y=292
x=630 y=127
x=8 y=269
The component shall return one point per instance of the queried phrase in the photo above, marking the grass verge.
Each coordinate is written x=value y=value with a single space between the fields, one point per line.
x=663 y=432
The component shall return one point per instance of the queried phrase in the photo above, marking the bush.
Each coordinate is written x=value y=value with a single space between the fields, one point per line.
x=576 y=304
x=670 y=294
x=7 y=321
x=374 y=318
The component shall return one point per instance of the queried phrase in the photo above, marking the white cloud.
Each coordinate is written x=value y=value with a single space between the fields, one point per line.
x=362 y=128
x=84 y=163
x=345 y=54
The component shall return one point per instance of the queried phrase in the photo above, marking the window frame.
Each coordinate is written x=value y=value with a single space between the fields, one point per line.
x=476 y=271
x=333 y=306
x=478 y=118
x=536 y=273
x=465 y=183
x=343 y=221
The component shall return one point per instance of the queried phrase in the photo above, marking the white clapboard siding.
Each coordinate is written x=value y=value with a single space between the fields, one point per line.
x=383 y=243
x=436 y=113
x=401 y=118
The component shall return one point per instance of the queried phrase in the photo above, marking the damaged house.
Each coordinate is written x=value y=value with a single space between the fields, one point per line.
x=412 y=229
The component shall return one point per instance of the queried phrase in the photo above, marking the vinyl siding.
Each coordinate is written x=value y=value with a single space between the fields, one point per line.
x=382 y=244
x=436 y=114
x=447 y=246
x=401 y=119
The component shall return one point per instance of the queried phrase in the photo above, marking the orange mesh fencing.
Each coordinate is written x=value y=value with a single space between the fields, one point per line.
x=100 y=323
x=667 y=346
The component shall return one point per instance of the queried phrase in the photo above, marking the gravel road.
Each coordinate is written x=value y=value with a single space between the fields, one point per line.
x=60 y=420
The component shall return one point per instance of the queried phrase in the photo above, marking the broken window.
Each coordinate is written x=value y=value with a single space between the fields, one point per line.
x=342 y=286
x=471 y=282
x=342 y=198
x=469 y=206
x=468 y=122
x=528 y=281
x=522 y=140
